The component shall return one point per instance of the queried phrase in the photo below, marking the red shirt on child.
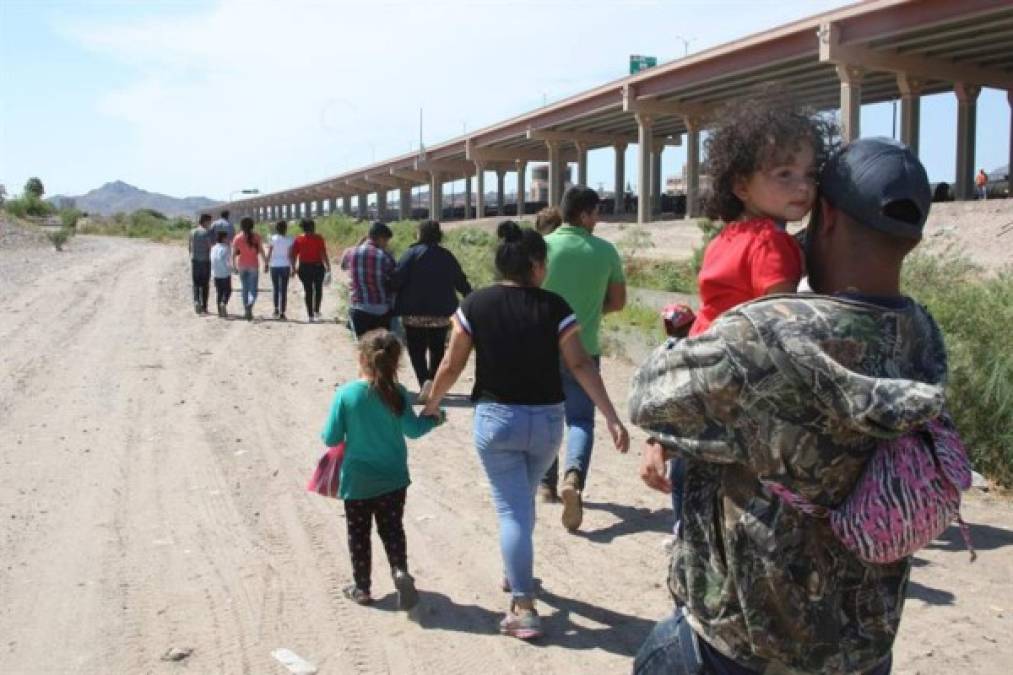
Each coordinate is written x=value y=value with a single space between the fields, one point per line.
x=741 y=263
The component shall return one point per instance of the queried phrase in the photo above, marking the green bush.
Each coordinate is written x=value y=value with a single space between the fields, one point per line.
x=59 y=237
x=975 y=313
x=69 y=218
x=29 y=205
x=676 y=276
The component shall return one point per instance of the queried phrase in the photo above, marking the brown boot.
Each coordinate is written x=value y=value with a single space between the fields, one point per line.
x=573 y=506
x=547 y=494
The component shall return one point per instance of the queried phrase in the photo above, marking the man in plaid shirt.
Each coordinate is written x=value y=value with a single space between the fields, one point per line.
x=369 y=267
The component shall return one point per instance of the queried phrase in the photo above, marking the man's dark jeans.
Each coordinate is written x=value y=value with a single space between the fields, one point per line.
x=201 y=272
x=672 y=648
x=363 y=322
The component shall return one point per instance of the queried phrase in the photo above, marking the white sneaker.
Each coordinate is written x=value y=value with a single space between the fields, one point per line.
x=427 y=389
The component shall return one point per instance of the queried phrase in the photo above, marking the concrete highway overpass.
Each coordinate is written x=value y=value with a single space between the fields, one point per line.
x=864 y=53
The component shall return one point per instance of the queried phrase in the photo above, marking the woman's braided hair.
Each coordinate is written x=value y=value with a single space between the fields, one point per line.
x=381 y=354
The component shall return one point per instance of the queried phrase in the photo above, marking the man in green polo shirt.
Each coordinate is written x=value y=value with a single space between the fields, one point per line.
x=587 y=272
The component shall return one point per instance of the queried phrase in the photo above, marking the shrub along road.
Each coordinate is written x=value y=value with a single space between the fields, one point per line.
x=152 y=473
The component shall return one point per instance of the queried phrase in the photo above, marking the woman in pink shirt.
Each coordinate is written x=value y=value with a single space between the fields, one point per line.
x=245 y=249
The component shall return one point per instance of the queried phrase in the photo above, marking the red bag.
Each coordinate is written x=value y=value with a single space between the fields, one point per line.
x=326 y=479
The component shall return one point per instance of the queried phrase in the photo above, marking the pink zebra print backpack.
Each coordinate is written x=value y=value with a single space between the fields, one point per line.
x=907 y=496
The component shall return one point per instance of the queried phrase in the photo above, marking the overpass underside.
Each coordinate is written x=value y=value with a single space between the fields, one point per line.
x=885 y=50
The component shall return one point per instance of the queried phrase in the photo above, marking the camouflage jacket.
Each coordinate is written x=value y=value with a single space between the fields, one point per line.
x=796 y=389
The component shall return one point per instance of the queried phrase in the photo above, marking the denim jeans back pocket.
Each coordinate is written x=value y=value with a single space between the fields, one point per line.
x=498 y=426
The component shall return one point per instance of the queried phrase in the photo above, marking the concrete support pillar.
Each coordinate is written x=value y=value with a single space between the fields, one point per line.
x=967 y=117
x=656 y=178
x=1009 y=166
x=435 y=195
x=522 y=170
x=479 y=190
x=346 y=205
x=332 y=206
x=467 y=197
x=581 y=163
x=910 y=110
x=404 y=207
x=500 y=191
x=619 y=186
x=645 y=130
x=693 y=125
x=851 y=100
x=363 y=200
x=381 y=205
x=555 y=173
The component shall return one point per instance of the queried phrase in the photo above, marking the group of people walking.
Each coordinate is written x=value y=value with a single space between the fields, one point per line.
x=217 y=252
x=762 y=414
x=536 y=373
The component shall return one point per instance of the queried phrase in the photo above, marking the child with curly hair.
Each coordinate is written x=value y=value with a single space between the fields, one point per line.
x=762 y=156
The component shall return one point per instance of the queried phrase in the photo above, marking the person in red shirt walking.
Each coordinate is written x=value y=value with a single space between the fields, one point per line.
x=309 y=259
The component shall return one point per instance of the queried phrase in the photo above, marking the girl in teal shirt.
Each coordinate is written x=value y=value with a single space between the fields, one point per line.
x=372 y=416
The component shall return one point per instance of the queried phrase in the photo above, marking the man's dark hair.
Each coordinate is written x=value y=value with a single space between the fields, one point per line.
x=204 y=217
x=281 y=227
x=222 y=236
x=225 y=214
x=379 y=230
x=577 y=200
x=430 y=233
x=307 y=225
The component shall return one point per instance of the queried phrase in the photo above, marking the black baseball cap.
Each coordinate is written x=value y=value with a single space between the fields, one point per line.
x=380 y=230
x=881 y=184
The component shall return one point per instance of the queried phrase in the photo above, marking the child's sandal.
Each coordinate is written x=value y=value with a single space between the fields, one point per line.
x=357 y=595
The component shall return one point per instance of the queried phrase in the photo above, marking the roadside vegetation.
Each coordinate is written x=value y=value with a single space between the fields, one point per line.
x=975 y=313
x=32 y=210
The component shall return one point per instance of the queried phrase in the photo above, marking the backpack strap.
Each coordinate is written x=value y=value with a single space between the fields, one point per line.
x=795 y=500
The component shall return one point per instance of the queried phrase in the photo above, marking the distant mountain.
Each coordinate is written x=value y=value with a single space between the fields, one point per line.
x=118 y=196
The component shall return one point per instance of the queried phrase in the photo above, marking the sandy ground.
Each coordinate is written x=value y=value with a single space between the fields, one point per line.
x=152 y=471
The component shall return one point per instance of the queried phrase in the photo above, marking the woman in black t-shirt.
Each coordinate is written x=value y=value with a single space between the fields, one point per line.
x=519 y=331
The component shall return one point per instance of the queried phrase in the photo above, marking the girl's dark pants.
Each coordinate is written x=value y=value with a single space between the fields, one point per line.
x=279 y=282
x=223 y=289
x=388 y=510
x=312 y=277
x=423 y=341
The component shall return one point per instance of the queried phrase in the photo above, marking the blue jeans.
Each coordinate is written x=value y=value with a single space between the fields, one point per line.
x=248 y=278
x=516 y=444
x=673 y=648
x=579 y=429
x=279 y=286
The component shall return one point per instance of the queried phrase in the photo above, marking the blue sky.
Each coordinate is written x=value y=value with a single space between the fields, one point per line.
x=205 y=98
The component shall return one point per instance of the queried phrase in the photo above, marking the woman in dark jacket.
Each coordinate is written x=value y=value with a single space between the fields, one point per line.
x=426 y=279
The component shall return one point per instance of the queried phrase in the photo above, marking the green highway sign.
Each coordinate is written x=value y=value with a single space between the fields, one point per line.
x=639 y=62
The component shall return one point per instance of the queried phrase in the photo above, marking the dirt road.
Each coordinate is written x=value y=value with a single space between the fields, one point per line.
x=152 y=471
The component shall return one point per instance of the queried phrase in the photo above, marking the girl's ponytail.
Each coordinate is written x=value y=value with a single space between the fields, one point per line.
x=381 y=351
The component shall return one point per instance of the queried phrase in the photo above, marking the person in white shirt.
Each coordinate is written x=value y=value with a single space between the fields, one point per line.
x=221 y=270
x=280 y=267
